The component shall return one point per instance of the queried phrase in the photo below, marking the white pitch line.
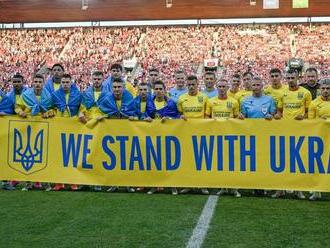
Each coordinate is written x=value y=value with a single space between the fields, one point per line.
x=197 y=238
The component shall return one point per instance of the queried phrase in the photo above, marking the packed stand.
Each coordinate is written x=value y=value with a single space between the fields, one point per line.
x=239 y=48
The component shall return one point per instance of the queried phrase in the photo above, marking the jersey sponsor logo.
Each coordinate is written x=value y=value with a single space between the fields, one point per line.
x=200 y=99
x=300 y=95
x=221 y=114
x=193 y=109
x=293 y=105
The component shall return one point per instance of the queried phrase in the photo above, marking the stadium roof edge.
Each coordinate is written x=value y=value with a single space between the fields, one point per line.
x=167 y=22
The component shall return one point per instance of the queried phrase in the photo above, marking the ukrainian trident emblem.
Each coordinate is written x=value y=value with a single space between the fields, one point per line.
x=27 y=147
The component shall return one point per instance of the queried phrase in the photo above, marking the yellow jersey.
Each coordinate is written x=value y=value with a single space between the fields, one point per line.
x=231 y=94
x=20 y=106
x=118 y=103
x=295 y=102
x=143 y=106
x=159 y=105
x=97 y=95
x=222 y=108
x=56 y=86
x=277 y=94
x=319 y=109
x=192 y=106
x=66 y=112
x=94 y=111
x=17 y=98
x=239 y=96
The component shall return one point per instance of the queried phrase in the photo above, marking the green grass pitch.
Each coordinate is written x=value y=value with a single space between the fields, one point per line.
x=86 y=219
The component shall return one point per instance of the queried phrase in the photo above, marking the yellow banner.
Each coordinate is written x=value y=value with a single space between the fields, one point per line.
x=256 y=154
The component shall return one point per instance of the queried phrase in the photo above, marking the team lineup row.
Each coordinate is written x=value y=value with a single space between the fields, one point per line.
x=114 y=98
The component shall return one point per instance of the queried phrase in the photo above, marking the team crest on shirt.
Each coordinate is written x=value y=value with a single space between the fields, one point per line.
x=27 y=146
x=319 y=106
x=200 y=99
x=300 y=95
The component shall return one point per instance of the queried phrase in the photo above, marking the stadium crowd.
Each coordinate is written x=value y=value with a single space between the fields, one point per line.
x=239 y=48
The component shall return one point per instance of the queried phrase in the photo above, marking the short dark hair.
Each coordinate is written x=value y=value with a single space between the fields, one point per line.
x=247 y=73
x=118 y=80
x=116 y=66
x=292 y=71
x=66 y=75
x=142 y=84
x=312 y=69
x=257 y=78
x=275 y=70
x=58 y=65
x=153 y=69
x=18 y=75
x=236 y=75
x=210 y=73
x=39 y=76
x=159 y=82
x=222 y=80
x=191 y=77
x=97 y=73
